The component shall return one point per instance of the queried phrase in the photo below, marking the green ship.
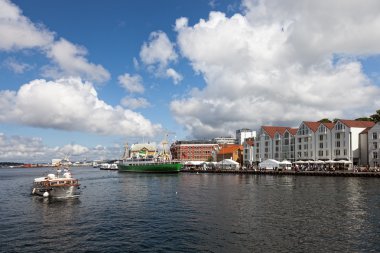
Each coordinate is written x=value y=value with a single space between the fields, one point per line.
x=149 y=166
x=146 y=158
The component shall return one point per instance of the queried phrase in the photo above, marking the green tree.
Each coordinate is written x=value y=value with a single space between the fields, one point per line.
x=376 y=117
x=324 y=120
x=364 y=119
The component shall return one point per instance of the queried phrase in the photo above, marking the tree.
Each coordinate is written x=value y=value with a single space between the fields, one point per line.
x=376 y=117
x=364 y=119
x=324 y=120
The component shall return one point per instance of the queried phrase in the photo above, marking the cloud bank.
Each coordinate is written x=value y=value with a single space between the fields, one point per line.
x=33 y=150
x=280 y=62
x=71 y=105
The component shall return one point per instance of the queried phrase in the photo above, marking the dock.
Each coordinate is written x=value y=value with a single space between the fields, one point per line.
x=290 y=173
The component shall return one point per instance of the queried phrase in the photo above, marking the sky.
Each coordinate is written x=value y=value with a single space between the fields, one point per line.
x=82 y=78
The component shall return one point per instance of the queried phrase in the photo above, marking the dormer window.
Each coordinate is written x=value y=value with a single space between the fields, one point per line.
x=339 y=126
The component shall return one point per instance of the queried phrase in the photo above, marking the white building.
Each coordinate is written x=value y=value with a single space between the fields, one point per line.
x=243 y=134
x=305 y=141
x=269 y=143
x=248 y=152
x=323 y=141
x=369 y=147
x=374 y=145
x=345 y=139
x=224 y=140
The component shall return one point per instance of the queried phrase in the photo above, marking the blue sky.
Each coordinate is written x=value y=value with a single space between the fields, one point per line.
x=84 y=77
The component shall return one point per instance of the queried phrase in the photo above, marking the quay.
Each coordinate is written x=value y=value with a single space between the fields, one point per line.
x=290 y=173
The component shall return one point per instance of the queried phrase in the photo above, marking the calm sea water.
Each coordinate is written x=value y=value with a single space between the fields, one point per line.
x=122 y=212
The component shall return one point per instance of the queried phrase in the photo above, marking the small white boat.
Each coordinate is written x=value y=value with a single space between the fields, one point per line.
x=56 y=185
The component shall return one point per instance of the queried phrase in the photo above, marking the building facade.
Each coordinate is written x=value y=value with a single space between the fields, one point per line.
x=242 y=134
x=269 y=143
x=194 y=150
x=374 y=145
x=248 y=146
x=345 y=139
x=231 y=151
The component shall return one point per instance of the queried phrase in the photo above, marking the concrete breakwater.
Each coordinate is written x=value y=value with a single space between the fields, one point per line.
x=291 y=173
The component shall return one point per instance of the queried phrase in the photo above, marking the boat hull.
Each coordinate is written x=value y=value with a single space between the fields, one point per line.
x=151 y=167
x=57 y=192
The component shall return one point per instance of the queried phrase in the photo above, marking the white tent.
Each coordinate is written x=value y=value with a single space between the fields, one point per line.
x=229 y=163
x=286 y=164
x=269 y=164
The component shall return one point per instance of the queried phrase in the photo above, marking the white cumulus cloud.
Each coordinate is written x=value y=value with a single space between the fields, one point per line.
x=157 y=54
x=131 y=83
x=71 y=61
x=280 y=62
x=18 y=32
x=159 y=50
x=174 y=75
x=72 y=105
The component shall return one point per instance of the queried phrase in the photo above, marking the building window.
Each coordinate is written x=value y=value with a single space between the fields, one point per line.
x=298 y=154
x=277 y=142
x=305 y=139
x=327 y=152
x=299 y=147
x=337 y=151
x=339 y=126
x=338 y=144
x=374 y=136
x=266 y=150
x=337 y=135
x=344 y=151
x=305 y=154
x=321 y=137
x=305 y=146
x=375 y=145
x=320 y=153
x=321 y=145
x=299 y=140
x=375 y=155
x=286 y=142
x=266 y=144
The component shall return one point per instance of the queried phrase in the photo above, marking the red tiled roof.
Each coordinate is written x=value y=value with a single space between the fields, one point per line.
x=365 y=131
x=272 y=130
x=293 y=131
x=329 y=125
x=230 y=149
x=312 y=125
x=250 y=141
x=357 y=123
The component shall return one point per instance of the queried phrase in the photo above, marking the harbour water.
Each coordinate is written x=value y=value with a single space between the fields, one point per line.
x=126 y=212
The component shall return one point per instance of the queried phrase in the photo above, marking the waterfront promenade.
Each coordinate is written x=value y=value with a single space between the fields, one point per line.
x=342 y=173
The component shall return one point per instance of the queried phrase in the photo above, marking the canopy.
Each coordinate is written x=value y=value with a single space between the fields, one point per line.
x=194 y=163
x=285 y=162
x=228 y=162
x=269 y=164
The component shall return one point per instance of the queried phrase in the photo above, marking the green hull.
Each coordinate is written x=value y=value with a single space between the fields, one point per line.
x=151 y=168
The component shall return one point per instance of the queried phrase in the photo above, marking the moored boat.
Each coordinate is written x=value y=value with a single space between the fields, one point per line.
x=149 y=165
x=60 y=184
x=146 y=158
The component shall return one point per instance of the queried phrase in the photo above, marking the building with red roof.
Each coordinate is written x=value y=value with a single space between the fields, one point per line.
x=274 y=142
x=230 y=151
